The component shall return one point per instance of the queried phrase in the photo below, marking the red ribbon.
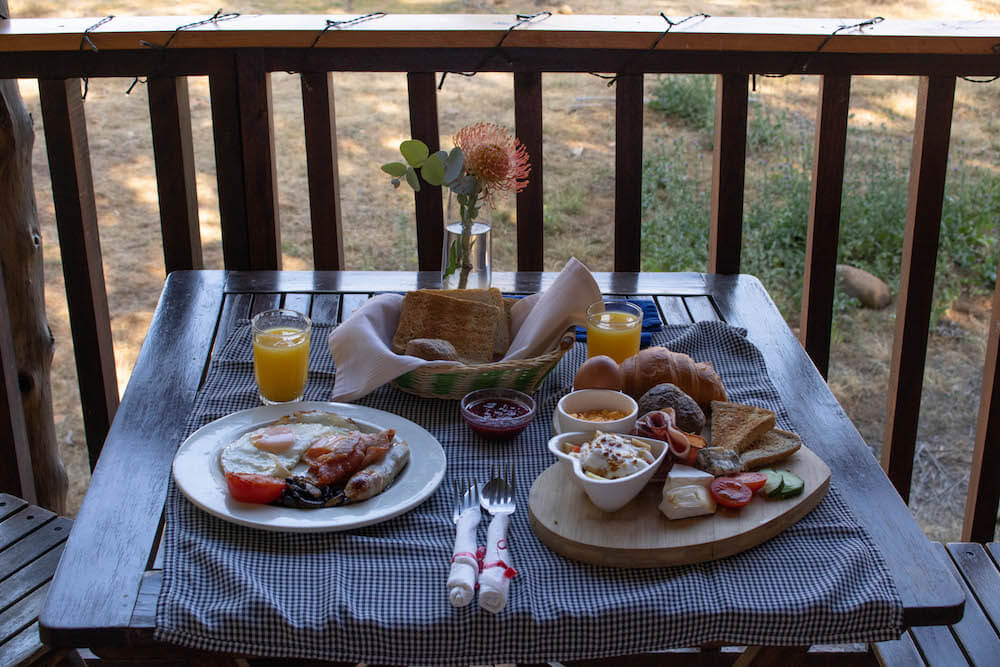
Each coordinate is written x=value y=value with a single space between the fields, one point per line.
x=508 y=571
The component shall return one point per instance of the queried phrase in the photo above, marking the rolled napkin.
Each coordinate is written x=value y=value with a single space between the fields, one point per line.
x=464 y=560
x=498 y=567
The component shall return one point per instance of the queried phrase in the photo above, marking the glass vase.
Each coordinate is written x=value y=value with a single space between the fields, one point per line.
x=473 y=256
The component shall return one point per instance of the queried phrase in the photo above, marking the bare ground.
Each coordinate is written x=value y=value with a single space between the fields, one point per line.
x=579 y=166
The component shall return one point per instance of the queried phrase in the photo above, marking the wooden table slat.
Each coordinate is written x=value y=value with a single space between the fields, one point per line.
x=982 y=576
x=22 y=648
x=263 y=302
x=937 y=646
x=325 y=308
x=235 y=307
x=22 y=613
x=297 y=301
x=17 y=526
x=900 y=652
x=350 y=303
x=976 y=634
x=10 y=504
x=30 y=576
x=673 y=310
x=701 y=309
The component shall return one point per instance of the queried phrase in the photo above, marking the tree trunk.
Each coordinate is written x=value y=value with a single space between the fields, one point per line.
x=21 y=260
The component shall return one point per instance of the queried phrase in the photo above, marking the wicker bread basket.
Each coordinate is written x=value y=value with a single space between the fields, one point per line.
x=453 y=382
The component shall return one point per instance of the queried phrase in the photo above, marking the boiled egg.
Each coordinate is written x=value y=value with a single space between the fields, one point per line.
x=599 y=372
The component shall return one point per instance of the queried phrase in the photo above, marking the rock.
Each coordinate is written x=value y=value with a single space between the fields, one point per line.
x=565 y=9
x=870 y=290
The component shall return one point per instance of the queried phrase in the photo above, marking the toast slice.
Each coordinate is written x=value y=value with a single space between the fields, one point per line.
x=470 y=326
x=737 y=426
x=776 y=445
x=491 y=296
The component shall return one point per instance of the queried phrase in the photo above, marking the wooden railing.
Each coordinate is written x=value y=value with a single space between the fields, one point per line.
x=237 y=54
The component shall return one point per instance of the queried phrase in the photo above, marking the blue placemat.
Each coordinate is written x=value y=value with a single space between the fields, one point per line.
x=377 y=594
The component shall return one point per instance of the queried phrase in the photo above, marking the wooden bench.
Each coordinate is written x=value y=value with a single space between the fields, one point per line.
x=975 y=639
x=31 y=543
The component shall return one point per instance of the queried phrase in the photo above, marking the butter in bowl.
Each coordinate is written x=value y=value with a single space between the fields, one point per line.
x=596 y=410
x=611 y=468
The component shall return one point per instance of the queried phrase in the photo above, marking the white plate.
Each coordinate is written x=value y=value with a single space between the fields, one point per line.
x=199 y=477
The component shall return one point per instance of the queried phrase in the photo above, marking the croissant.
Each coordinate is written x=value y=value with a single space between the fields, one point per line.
x=656 y=365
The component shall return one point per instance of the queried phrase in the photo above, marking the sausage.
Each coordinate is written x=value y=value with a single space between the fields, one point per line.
x=376 y=477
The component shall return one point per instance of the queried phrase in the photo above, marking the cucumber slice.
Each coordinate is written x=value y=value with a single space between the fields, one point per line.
x=791 y=485
x=772 y=487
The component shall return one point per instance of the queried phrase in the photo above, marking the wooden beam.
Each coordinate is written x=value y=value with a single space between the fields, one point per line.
x=80 y=247
x=928 y=168
x=424 y=126
x=176 y=187
x=229 y=166
x=530 y=201
x=320 y=122
x=628 y=172
x=725 y=236
x=823 y=236
x=451 y=31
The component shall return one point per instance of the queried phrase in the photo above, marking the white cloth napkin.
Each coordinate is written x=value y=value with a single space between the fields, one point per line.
x=498 y=567
x=537 y=322
x=365 y=361
x=464 y=563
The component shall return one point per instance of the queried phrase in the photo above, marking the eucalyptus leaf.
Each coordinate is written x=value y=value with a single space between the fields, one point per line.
x=432 y=170
x=453 y=164
x=454 y=259
x=415 y=151
x=411 y=178
x=441 y=155
x=394 y=169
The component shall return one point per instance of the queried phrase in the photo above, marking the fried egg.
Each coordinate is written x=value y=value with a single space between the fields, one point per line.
x=275 y=449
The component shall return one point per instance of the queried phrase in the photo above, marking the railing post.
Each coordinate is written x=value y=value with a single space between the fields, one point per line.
x=16 y=475
x=173 y=154
x=424 y=126
x=823 y=234
x=628 y=172
x=530 y=206
x=80 y=247
x=725 y=236
x=320 y=123
x=984 y=492
x=928 y=168
x=242 y=122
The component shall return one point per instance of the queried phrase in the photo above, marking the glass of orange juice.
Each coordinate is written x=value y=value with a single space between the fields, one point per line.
x=614 y=327
x=281 y=355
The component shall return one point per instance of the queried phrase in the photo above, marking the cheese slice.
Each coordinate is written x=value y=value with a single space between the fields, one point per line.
x=687 y=501
x=682 y=475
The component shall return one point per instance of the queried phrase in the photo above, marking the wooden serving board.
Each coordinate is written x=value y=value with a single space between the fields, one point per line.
x=639 y=535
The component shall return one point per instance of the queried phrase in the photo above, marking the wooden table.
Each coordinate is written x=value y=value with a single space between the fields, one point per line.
x=104 y=592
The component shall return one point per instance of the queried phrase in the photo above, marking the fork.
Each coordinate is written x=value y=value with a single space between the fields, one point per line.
x=497 y=498
x=465 y=555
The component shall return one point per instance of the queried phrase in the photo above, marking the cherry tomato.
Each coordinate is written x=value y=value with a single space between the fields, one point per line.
x=754 y=480
x=254 y=488
x=730 y=492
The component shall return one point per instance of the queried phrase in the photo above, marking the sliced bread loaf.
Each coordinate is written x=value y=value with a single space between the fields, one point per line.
x=470 y=326
x=776 y=445
x=737 y=426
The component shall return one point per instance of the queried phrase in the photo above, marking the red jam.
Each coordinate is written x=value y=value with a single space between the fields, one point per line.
x=498 y=418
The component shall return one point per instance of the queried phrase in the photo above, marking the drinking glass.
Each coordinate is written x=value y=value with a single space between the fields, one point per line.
x=281 y=355
x=614 y=327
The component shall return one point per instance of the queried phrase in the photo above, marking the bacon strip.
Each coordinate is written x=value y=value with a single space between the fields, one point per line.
x=336 y=457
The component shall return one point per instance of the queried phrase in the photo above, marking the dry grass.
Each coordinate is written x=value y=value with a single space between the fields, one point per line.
x=579 y=165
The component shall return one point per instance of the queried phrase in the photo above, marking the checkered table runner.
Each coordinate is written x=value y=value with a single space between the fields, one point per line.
x=377 y=594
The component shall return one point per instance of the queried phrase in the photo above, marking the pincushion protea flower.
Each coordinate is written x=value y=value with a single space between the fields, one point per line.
x=487 y=160
x=495 y=158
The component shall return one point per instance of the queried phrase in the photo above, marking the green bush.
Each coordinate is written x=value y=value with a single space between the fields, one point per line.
x=676 y=209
